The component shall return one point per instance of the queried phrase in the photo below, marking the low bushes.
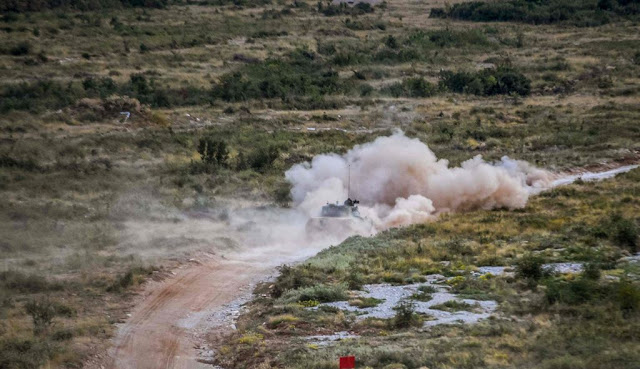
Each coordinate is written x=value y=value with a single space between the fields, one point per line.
x=330 y=10
x=406 y=315
x=580 y=13
x=411 y=87
x=52 y=95
x=623 y=294
x=320 y=293
x=299 y=74
x=487 y=82
x=26 y=283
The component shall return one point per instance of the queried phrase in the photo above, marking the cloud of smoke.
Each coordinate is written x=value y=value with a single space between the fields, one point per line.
x=400 y=181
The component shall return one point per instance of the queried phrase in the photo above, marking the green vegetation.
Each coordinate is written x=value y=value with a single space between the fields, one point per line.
x=579 y=13
x=225 y=95
x=603 y=301
x=500 y=81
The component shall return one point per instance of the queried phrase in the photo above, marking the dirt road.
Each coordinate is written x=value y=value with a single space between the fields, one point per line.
x=163 y=330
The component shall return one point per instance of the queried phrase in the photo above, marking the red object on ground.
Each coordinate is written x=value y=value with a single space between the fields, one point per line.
x=347 y=362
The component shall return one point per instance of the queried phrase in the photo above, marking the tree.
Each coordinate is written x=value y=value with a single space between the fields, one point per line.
x=213 y=152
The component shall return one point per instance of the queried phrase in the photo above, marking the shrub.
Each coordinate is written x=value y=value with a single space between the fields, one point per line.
x=23 y=353
x=331 y=10
x=42 y=311
x=580 y=13
x=26 y=283
x=128 y=279
x=453 y=305
x=23 y=48
x=572 y=292
x=321 y=293
x=365 y=302
x=290 y=278
x=624 y=231
x=496 y=81
x=405 y=315
x=263 y=157
x=213 y=152
x=411 y=87
x=530 y=267
x=299 y=74
x=627 y=296
x=591 y=271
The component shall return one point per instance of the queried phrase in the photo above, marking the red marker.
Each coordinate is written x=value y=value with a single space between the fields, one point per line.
x=347 y=362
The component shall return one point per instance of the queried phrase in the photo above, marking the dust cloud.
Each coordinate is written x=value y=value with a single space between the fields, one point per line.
x=400 y=181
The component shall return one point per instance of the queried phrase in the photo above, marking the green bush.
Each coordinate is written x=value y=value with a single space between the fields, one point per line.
x=331 y=10
x=574 y=292
x=26 y=283
x=406 y=315
x=22 y=48
x=530 y=267
x=290 y=278
x=627 y=295
x=23 y=353
x=42 y=312
x=299 y=74
x=624 y=232
x=580 y=13
x=320 y=292
x=262 y=158
x=487 y=82
x=82 y=5
x=411 y=87
x=213 y=152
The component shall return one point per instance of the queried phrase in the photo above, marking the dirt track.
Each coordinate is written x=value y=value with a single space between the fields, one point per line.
x=163 y=329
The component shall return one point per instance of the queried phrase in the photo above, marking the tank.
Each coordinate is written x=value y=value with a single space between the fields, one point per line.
x=338 y=220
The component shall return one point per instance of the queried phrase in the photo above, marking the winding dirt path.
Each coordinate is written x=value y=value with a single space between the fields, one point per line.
x=163 y=329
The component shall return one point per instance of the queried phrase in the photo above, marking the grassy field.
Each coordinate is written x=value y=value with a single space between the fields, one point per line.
x=271 y=84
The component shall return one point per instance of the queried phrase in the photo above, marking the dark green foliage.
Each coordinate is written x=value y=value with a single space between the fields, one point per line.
x=144 y=48
x=99 y=87
x=591 y=271
x=498 y=81
x=572 y=292
x=23 y=353
x=411 y=87
x=621 y=230
x=294 y=278
x=39 y=5
x=318 y=292
x=530 y=267
x=406 y=315
x=580 y=13
x=330 y=9
x=128 y=279
x=23 y=48
x=49 y=94
x=625 y=295
x=42 y=312
x=35 y=96
x=262 y=158
x=243 y=3
x=624 y=231
x=300 y=74
x=416 y=46
x=213 y=152
x=26 y=283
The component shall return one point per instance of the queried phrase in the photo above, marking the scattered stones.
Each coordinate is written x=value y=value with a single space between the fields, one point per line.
x=327 y=339
x=393 y=295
